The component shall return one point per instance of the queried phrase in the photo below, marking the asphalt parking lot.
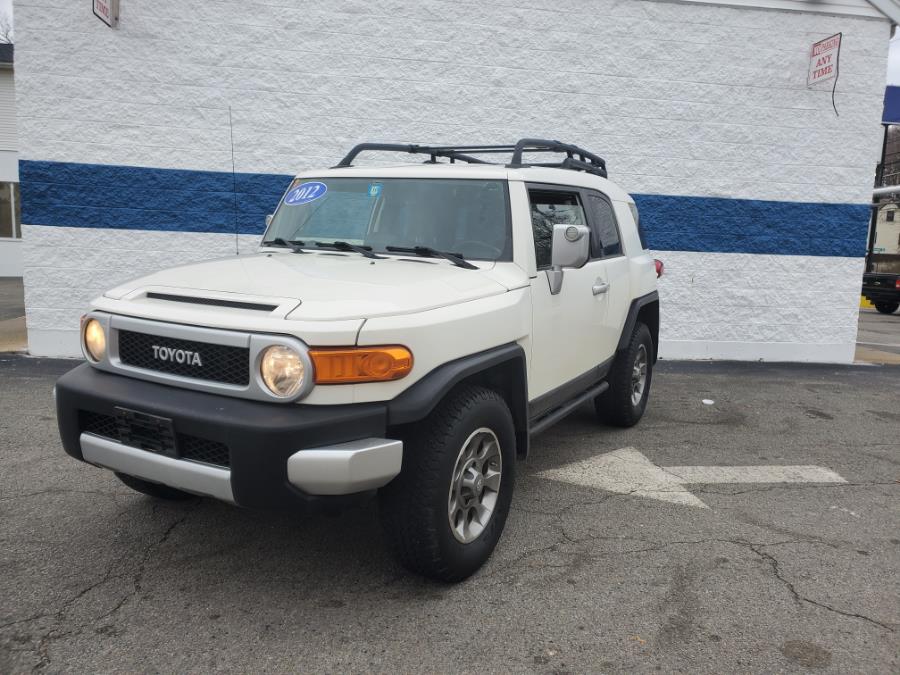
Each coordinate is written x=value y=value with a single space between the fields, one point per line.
x=622 y=572
x=878 y=338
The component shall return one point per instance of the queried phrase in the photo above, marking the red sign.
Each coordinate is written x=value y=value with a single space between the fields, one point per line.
x=107 y=11
x=823 y=60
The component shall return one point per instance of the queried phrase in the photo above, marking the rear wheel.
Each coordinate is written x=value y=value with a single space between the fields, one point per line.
x=157 y=490
x=887 y=307
x=444 y=514
x=623 y=404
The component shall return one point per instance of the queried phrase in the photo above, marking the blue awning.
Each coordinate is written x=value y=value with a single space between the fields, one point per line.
x=891 y=114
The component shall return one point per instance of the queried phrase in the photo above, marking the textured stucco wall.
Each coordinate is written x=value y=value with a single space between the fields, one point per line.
x=752 y=190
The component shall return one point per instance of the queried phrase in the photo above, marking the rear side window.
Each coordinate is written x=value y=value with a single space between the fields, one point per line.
x=640 y=228
x=605 y=240
x=549 y=208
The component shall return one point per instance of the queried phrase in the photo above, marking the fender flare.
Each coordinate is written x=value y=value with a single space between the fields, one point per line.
x=417 y=402
x=631 y=319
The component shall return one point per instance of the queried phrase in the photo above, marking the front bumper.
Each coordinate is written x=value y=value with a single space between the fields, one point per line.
x=275 y=456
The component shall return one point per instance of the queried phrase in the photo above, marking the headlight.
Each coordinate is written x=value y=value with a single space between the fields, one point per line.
x=94 y=340
x=282 y=370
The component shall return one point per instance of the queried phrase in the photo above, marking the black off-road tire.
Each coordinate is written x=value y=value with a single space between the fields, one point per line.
x=615 y=405
x=156 y=490
x=887 y=307
x=414 y=506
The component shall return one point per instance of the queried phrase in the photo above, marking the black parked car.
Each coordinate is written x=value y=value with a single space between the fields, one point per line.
x=882 y=290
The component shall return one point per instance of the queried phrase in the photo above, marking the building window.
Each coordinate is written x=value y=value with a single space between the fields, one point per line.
x=890 y=216
x=10 y=219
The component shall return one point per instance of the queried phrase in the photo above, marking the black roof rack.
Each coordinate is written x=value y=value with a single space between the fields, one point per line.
x=577 y=159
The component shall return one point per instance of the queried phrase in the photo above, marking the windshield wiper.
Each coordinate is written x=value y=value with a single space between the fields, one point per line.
x=344 y=246
x=428 y=252
x=294 y=244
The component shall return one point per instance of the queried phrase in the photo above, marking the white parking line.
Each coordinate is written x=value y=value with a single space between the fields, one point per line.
x=627 y=471
x=755 y=474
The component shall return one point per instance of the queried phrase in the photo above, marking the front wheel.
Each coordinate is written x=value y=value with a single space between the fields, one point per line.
x=444 y=514
x=887 y=307
x=623 y=404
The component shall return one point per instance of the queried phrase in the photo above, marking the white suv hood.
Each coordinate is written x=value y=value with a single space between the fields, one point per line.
x=326 y=286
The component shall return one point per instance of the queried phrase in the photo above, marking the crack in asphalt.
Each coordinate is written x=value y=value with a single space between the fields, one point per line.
x=43 y=646
x=775 y=566
x=769 y=488
x=755 y=547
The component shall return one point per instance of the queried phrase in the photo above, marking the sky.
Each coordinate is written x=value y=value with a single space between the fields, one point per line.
x=893 y=73
x=6 y=6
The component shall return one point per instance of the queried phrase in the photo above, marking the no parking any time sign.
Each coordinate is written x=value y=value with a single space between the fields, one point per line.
x=823 y=60
x=107 y=11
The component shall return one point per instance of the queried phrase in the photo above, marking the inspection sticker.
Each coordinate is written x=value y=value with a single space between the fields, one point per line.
x=305 y=193
x=374 y=189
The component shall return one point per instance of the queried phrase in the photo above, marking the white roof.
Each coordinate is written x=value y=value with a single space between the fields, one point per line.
x=873 y=8
x=530 y=174
x=890 y=8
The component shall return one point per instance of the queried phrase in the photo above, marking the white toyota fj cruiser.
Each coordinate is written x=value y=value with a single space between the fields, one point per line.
x=403 y=330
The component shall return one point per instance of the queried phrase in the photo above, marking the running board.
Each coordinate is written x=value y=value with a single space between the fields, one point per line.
x=555 y=415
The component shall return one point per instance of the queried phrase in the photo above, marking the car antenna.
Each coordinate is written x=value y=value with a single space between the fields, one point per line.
x=237 y=248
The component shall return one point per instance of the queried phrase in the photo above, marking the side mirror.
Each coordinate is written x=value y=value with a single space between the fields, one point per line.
x=269 y=219
x=571 y=248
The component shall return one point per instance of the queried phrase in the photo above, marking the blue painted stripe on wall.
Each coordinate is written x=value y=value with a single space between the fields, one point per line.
x=137 y=198
x=719 y=225
x=127 y=197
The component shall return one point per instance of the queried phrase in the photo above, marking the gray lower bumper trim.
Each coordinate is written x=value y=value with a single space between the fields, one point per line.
x=177 y=473
x=346 y=468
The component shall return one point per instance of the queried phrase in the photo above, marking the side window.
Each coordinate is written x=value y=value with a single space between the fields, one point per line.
x=640 y=227
x=604 y=233
x=549 y=208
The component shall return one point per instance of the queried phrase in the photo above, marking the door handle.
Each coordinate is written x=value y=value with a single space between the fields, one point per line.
x=599 y=287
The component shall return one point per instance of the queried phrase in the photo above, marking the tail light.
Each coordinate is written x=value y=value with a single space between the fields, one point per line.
x=660 y=268
x=897 y=283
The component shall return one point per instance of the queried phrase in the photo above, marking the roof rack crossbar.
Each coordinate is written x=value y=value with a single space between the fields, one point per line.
x=577 y=159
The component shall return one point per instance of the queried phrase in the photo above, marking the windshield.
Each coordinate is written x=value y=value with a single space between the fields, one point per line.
x=467 y=217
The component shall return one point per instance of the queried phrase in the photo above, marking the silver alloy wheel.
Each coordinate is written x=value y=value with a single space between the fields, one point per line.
x=639 y=375
x=475 y=485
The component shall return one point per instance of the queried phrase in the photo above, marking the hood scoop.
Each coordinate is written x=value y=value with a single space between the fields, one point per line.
x=214 y=302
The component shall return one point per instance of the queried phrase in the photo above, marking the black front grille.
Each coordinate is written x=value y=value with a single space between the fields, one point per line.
x=123 y=430
x=203 y=450
x=186 y=358
x=99 y=425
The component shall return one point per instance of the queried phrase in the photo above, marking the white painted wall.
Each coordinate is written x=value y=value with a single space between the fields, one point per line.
x=671 y=96
x=682 y=98
x=797 y=308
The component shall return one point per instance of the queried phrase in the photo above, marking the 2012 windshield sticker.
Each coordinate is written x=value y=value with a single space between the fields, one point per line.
x=305 y=193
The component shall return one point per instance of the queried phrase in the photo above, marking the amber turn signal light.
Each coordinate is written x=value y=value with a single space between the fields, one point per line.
x=352 y=365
